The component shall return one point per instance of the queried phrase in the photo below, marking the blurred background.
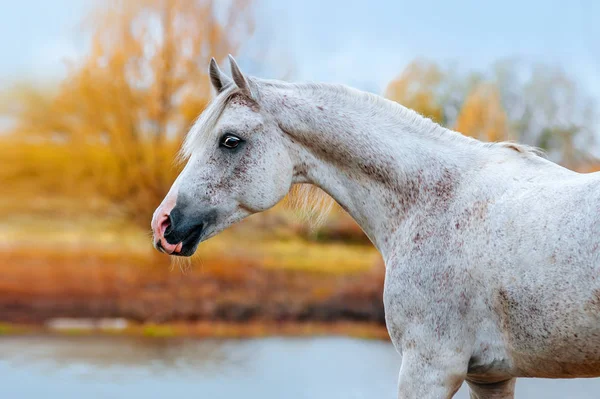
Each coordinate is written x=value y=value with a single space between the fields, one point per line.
x=95 y=99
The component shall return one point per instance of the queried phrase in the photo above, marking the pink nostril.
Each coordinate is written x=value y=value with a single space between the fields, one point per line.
x=164 y=225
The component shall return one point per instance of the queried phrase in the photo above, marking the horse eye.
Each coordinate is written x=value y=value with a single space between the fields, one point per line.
x=230 y=141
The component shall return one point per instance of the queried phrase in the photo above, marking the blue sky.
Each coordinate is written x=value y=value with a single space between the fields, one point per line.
x=361 y=43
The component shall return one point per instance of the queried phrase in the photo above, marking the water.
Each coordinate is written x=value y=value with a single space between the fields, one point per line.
x=316 y=368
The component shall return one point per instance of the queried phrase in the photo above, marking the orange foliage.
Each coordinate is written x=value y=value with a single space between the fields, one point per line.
x=416 y=88
x=482 y=115
x=119 y=117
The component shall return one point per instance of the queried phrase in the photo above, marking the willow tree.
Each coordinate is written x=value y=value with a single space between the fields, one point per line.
x=124 y=108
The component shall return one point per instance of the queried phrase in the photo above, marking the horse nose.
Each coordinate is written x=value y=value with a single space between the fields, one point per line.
x=163 y=232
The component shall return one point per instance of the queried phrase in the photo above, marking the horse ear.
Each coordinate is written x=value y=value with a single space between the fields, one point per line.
x=218 y=79
x=238 y=77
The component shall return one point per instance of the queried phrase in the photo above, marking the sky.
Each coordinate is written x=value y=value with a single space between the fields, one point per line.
x=361 y=43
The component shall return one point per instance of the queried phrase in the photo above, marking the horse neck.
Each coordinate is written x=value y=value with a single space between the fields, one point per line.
x=378 y=160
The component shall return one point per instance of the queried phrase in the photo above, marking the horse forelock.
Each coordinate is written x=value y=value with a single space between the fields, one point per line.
x=203 y=130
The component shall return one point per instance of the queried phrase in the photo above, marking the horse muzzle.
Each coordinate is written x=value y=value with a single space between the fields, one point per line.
x=179 y=231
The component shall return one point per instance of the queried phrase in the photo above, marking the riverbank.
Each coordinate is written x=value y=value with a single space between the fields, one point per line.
x=243 y=283
x=221 y=330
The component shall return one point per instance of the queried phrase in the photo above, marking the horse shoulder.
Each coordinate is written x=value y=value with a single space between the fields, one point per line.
x=426 y=293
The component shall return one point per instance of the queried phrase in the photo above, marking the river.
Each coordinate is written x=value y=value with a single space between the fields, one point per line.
x=269 y=368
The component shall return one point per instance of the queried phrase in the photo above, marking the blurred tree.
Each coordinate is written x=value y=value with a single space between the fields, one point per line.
x=417 y=88
x=455 y=88
x=536 y=104
x=125 y=108
x=432 y=91
x=563 y=117
x=482 y=115
x=546 y=108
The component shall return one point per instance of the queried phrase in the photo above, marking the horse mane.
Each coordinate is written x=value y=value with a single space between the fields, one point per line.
x=424 y=125
x=313 y=203
x=518 y=147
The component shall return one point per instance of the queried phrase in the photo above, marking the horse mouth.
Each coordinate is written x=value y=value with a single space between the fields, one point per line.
x=191 y=242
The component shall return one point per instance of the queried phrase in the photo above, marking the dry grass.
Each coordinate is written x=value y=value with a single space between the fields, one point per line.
x=103 y=237
x=327 y=257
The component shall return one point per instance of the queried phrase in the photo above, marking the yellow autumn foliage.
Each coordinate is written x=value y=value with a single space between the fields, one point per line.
x=113 y=126
x=415 y=88
x=482 y=115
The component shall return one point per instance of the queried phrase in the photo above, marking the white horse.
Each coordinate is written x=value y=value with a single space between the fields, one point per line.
x=492 y=253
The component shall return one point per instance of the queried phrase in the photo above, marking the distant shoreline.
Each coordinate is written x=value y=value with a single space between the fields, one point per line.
x=225 y=330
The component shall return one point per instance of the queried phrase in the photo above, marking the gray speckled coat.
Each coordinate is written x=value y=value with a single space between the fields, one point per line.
x=491 y=252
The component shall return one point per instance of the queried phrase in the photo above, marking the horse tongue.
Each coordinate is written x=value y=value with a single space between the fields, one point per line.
x=178 y=248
